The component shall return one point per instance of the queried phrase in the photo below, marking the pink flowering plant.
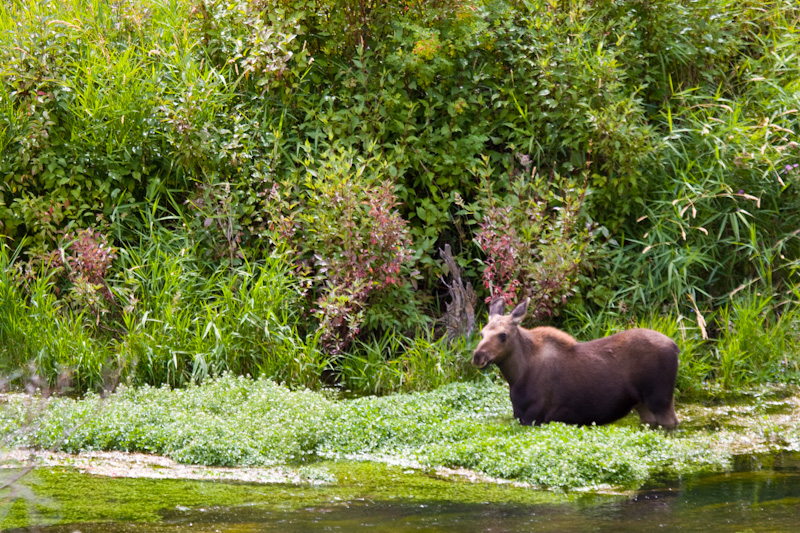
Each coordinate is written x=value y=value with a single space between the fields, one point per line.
x=77 y=270
x=536 y=240
x=347 y=236
x=87 y=257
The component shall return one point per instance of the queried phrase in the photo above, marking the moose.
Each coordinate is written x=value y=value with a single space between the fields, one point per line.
x=554 y=378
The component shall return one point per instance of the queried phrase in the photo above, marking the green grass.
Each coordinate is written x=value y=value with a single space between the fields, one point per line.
x=238 y=421
x=419 y=363
x=177 y=320
x=756 y=345
x=173 y=320
x=184 y=320
x=177 y=317
x=41 y=335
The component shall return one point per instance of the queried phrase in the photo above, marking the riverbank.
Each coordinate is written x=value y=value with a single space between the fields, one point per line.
x=765 y=420
x=759 y=493
x=258 y=431
x=141 y=465
x=742 y=429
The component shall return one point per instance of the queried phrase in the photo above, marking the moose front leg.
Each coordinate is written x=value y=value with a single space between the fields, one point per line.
x=528 y=412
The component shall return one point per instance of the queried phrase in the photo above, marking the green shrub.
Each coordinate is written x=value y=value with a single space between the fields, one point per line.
x=345 y=228
x=80 y=128
x=677 y=118
x=396 y=363
x=756 y=345
x=43 y=339
x=537 y=242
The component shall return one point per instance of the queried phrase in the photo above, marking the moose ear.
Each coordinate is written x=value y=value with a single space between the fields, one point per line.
x=519 y=312
x=497 y=307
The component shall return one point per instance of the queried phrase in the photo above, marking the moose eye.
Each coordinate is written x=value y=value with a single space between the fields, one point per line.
x=503 y=337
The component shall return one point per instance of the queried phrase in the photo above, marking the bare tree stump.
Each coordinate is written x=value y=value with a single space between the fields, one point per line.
x=459 y=319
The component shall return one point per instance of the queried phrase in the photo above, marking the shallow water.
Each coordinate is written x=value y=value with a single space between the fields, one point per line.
x=761 y=494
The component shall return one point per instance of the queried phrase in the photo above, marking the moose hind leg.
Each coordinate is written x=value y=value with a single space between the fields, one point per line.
x=666 y=418
x=645 y=415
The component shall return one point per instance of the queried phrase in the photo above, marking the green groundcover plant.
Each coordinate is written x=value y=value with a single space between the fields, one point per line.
x=239 y=421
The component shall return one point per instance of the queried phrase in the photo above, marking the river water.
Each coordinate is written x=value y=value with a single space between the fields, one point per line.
x=760 y=494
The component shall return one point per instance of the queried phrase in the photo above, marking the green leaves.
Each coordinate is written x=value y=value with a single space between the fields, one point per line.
x=460 y=425
x=682 y=116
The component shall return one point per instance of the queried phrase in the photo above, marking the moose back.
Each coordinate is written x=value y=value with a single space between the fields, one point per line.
x=554 y=378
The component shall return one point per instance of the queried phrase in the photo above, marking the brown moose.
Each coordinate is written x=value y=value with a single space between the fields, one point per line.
x=554 y=378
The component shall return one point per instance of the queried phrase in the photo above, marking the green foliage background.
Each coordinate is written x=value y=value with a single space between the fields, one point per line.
x=246 y=129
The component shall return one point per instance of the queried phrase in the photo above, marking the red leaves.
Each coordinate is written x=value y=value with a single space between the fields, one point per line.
x=90 y=256
x=353 y=239
x=534 y=247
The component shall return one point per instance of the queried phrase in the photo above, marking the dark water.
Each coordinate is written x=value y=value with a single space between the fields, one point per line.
x=760 y=495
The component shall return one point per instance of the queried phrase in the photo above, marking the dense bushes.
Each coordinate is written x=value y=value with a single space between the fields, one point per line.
x=167 y=316
x=615 y=160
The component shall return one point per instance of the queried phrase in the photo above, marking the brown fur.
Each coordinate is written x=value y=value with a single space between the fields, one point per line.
x=553 y=377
